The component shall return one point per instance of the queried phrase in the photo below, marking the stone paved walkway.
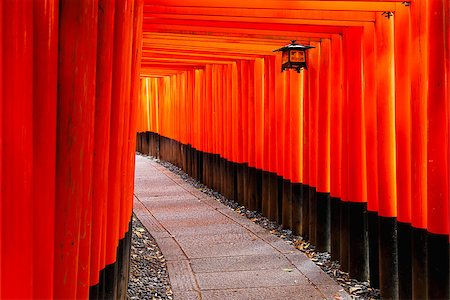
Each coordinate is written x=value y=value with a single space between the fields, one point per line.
x=212 y=252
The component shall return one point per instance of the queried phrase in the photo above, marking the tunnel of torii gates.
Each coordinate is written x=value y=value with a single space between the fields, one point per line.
x=351 y=153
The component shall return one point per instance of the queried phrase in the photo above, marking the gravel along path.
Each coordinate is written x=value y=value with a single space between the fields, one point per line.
x=148 y=274
x=357 y=290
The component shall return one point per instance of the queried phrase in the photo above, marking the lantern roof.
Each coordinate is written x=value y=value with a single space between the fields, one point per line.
x=294 y=46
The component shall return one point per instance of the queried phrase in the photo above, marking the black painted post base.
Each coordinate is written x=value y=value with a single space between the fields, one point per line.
x=273 y=197
x=251 y=188
x=335 y=225
x=265 y=194
x=113 y=283
x=372 y=226
x=312 y=215
x=259 y=175
x=286 y=219
x=323 y=238
x=419 y=258
x=305 y=212
x=344 y=243
x=404 y=260
x=297 y=210
x=387 y=229
x=246 y=184
x=438 y=268
x=358 y=241
x=200 y=169
x=280 y=199
x=240 y=183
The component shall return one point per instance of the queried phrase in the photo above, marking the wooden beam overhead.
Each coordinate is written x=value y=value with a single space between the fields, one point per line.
x=375 y=5
x=363 y=16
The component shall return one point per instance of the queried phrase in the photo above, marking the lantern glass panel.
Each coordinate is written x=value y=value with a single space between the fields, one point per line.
x=298 y=56
x=285 y=57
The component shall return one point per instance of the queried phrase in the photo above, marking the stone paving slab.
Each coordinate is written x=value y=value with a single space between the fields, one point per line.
x=212 y=252
x=241 y=263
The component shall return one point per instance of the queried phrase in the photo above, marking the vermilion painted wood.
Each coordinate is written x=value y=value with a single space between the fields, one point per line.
x=306 y=136
x=345 y=115
x=402 y=36
x=229 y=121
x=17 y=160
x=266 y=113
x=259 y=112
x=336 y=116
x=370 y=116
x=170 y=29
x=340 y=15
x=75 y=136
x=256 y=20
x=123 y=11
x=1 y=140
x=105 y=44
x=245 y=109
x=419 y=90
x=438 y=109
x=314 y=86
x=386 y=117
x=357 y=191
x=90 y=46
x=237 y=122
x=278 y=108
x=447 y=58
x=323 y=151
x=375 y=5
x=251 y=158
x=272 y=70
x=127 y=47
x=212 y=25
x=45 y=35
x=296 y=119
x=137 y=53
x=287 y=161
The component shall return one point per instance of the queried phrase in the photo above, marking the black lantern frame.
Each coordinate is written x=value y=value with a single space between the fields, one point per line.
x=294 y=56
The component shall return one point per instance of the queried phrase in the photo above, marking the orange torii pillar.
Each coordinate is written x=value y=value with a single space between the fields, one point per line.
x=370 y=119
x=386 y=157
x=344 y=242
x=251 y=172
x=305 y=158
x=73 y=209
x=313 y=89
x=265 y=182
x=296 y=138
x=357 y=191
x=286 y=202
x=268 y=139
x=279 y=147
x=402 y=31
x=45 y=62
x=17 y=247
x=242 y=133
x=259 y=128
x=437 y=155
x=323 y=238
x=231 y=190
x=273 y=69
x=419 y=94
x=105 y=44
x=335 y=144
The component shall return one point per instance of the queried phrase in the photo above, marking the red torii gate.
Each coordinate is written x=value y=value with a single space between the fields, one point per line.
x=372 y=128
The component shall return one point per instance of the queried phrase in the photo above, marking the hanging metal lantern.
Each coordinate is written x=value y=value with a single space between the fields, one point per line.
x=293 y=56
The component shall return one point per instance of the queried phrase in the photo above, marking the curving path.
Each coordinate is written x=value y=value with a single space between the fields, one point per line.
x=213 y=252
